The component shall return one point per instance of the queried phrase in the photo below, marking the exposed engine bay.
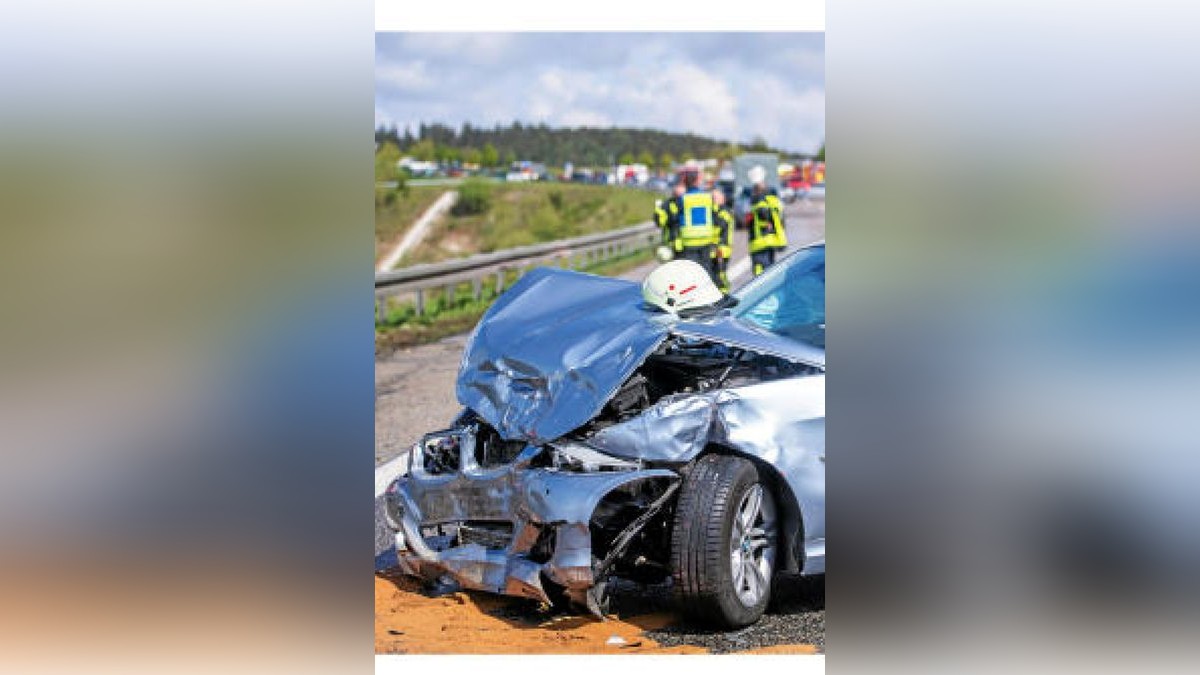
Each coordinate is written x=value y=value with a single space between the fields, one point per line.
x=684 y=366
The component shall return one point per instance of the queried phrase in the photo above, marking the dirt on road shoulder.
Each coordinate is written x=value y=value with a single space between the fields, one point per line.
x=409 y=622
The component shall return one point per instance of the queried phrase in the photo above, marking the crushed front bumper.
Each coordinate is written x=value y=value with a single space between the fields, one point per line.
x=549 y=511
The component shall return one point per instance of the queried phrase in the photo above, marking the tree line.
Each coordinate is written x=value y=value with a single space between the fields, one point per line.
x=584 y=146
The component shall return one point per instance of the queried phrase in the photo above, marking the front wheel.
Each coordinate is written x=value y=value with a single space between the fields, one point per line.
x=724 y=542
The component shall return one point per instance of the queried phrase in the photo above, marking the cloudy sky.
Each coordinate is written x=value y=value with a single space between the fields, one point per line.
x=726 y=85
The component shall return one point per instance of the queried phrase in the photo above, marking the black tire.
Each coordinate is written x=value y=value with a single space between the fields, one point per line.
x=701 y=565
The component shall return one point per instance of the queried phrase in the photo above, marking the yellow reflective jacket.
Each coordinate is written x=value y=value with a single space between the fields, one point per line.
x=767 y=230
x=724 y=239
x=661 y=219
x=695 y=221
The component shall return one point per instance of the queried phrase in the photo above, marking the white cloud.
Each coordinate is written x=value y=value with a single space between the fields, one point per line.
x=693 y=98
x=403 y=76
x=784 y=114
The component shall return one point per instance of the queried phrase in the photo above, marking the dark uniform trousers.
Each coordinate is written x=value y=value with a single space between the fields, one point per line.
x=762 y=260
x=699 y=254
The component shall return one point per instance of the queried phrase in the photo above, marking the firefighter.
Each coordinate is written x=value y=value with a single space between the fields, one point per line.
x=723 y=248
x=660 y=219
x=692 y=222
x=663 y=210
x=767 y=234
x=663 y=252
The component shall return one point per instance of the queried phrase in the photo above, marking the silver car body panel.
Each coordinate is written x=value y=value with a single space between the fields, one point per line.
x=781 y=423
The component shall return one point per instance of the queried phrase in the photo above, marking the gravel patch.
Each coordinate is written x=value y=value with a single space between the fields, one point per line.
x=796 y=616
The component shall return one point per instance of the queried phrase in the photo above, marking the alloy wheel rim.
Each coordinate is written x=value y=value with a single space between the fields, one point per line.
x=752 y=545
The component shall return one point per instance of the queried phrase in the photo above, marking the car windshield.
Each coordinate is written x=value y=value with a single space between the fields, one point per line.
x=789 y=299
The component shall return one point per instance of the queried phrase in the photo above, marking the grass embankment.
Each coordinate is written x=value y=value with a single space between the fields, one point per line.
x=395 y=214
x=448 y=316
x=490 y=217
x=531 y=213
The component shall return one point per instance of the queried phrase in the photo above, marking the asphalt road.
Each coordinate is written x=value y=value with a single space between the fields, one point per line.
x=414 y=394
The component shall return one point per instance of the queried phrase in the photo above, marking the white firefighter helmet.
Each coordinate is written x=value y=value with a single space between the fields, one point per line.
x=679 y=285
x=664 y=254
x=757 y=174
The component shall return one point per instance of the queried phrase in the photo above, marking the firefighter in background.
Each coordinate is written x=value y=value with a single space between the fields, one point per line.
x=692 y=222
x=767 y=233
x=660 y=217
x=723 y=245
x=663 y=210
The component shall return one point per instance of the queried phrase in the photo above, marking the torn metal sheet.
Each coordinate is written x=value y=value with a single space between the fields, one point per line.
x=533 y=501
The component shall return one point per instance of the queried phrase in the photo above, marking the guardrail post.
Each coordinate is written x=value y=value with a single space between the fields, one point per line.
x=499 y=280
x=448 y=295
x=477 y=288
x=420 y=301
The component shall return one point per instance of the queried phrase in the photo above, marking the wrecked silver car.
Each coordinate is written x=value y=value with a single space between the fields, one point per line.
x=602 y=437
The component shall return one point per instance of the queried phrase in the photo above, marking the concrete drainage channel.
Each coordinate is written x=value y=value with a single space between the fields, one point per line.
x=418 y=231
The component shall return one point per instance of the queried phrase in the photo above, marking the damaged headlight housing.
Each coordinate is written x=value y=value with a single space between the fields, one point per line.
x=443 y=452
x=575 y=456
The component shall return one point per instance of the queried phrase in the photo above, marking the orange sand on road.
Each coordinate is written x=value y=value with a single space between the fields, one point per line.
x=408 y=622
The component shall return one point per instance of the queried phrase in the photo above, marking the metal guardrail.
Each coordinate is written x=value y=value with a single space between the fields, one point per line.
x=576 y=253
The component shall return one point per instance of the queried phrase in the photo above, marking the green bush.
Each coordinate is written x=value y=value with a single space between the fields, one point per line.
x=474 y=198
x=544 y=224
x=385 y=198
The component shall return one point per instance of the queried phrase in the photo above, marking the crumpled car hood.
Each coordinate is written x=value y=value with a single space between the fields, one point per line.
x=550 y=352
x=555 y=348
